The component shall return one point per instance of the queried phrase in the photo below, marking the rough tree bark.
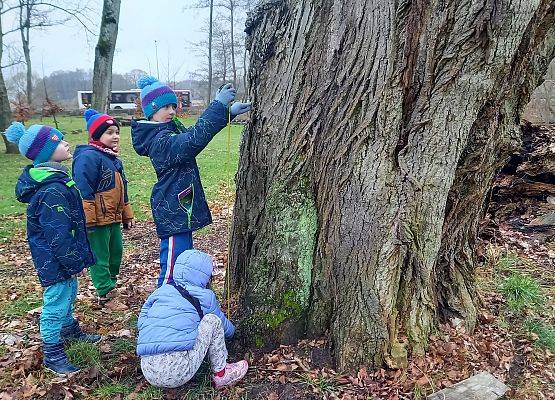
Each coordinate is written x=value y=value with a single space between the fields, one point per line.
x=104 y=55
x=376 y=130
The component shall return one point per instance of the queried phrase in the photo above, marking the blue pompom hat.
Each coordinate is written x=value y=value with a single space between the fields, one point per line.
x=154 y=95
x=37 y=143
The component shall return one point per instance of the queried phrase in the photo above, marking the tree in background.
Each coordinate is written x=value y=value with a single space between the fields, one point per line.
x=42 y=14
x=374 y=137
x=104 y=55
x=5 y=111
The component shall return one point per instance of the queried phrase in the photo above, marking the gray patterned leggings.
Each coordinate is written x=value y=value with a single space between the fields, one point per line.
x=171 y=370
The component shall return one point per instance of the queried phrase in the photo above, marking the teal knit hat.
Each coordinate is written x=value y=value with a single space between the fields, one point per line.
x=154 y=95
x=37 y=143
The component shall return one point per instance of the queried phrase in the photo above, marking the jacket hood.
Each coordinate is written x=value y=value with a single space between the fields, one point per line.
x=192 y=267
x=82 y=149
x=33 y=178
x=143 y=133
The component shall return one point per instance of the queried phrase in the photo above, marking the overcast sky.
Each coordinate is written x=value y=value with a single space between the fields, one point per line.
x=141 y=23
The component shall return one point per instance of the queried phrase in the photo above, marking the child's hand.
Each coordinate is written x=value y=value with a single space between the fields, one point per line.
x=239 y=108
x=226 y=94
x=128 y=224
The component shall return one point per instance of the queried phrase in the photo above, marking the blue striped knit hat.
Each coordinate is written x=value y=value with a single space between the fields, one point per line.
x=37 y=143
x=154 y=95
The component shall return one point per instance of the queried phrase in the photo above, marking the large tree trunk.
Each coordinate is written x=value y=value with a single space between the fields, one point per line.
x=376 y=130
x=104 y=55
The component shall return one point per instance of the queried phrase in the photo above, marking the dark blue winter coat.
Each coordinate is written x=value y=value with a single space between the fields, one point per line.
x=56 y=230
x=178 y=201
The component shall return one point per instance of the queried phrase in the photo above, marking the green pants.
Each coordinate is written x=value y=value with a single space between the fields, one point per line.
x=107 y=245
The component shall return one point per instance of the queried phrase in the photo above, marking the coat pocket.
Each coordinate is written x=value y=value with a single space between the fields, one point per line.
x=186 y=200
x=103 y=205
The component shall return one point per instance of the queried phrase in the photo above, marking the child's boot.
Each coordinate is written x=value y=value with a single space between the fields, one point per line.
x=230 y=374
x=55 y=359
x=74 y=332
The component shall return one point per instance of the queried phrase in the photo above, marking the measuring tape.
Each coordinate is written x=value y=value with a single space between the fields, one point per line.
x=228 y=269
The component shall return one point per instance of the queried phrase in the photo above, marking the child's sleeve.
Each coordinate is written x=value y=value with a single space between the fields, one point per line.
x=54 y=218
x=85 y=176
x=176 y=149
x=229 y=328
x=127 y=214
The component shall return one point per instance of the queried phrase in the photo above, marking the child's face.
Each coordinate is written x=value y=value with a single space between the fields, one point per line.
x=110 y=137
x=165 y=114
x=62 y=152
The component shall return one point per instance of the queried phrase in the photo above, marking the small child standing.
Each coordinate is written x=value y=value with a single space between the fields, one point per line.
x=98 y=173
x=178 y=202
x=180 y=323
x=56 y=234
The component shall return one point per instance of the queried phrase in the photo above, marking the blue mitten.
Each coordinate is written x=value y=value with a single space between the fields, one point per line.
x=239 y=108
x=226 y=94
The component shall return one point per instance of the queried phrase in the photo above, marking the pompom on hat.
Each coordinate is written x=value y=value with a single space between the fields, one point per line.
x=37 y=143
x=98 y=123
x=154 y=95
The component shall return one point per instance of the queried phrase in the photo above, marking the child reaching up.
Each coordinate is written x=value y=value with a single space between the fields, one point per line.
x=180 y=323
x=99 y=175
x=178 y=202
x=56 y=234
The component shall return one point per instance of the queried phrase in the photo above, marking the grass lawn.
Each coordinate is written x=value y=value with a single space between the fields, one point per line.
x=217 y=171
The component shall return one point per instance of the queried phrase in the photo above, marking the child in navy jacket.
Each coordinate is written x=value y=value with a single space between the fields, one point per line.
x=178 y=202
x=56 y=234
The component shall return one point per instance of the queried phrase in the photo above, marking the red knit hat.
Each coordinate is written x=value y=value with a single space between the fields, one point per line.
x=98 y=123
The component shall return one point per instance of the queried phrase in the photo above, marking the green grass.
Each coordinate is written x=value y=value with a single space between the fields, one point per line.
x=122 y=345
x=150 y=393
x=545 y=332
x=84 y=355
x=521 y=291
x=508 y=262
x=20 y=306
x=109 y=390
x=216 y=168
x=321 y=384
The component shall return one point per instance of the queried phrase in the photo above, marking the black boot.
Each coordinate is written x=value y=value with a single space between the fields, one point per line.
x=74 y=332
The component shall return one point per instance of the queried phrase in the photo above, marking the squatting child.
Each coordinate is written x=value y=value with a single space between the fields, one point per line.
x=178 y=202
x=56 y=234
x=180 y=323
x=99 y=175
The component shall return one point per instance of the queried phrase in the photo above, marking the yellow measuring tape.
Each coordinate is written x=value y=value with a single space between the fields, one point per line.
x=228 y=269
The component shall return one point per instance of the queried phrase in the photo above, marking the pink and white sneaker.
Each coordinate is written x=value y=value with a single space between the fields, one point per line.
x=231 y=374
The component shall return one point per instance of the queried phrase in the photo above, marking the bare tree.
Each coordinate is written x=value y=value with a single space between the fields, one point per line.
x=5 y=110
x=42 y=14
x=365 y=167
x=104 y=55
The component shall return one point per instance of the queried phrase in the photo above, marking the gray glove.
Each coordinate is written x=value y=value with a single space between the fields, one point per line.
x=226 y=94
x=239 y=108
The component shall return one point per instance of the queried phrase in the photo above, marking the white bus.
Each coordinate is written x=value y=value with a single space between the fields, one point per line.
x=121 y=99
x=125 y=99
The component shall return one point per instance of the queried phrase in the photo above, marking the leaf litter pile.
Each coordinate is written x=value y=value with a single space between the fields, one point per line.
x=305 y=371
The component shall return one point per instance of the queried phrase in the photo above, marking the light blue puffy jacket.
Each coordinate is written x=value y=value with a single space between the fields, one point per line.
x=168 y=322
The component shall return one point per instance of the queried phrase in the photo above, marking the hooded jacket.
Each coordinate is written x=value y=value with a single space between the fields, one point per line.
x=178 y=201
x=168 y=322
x=100 y=178
x=56 y=229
